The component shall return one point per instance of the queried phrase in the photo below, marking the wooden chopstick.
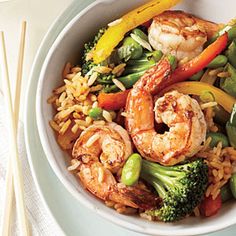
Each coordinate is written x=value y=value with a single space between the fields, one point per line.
x=14 y=167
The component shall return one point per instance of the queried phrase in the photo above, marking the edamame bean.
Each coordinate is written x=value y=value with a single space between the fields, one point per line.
x=137 y=48
x=131 y=170
x=216 y=138
x=197 y=76
x=95 y=113
x=217 y=62
x=173 y=61
x=140 y=33
x=226 y=193
x=233 y=184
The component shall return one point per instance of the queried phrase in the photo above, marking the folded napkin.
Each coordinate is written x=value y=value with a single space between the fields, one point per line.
x=41 y=222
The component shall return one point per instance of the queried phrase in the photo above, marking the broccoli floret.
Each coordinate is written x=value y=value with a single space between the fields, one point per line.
x=181 y=187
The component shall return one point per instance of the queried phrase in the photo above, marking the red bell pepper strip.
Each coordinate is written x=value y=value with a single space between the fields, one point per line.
x=209 y=207
x=112 y=101
x=115 y=101
x=200 y=62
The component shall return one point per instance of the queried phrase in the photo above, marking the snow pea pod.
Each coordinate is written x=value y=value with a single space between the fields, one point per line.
x=231 y=53
x=140 y=33
x=137 y=51
x=231 y=128
x=131 y=170
x=197 y=76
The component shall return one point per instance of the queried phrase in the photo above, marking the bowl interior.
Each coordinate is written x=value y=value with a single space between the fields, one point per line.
x=67 y=48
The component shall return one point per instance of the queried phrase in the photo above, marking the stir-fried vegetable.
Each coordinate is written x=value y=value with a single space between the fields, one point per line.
x=229 y=84
x=217 y=62
x=231 y=53
x=116 y=31
x=217 y=137
x=181 y=187
x=233 y=184
x=112 y=101
x=131 y=170
x=231 y=128
x=226 y=193
x=184 y=72
x=187 y=70
x=209 y=206
x=196 y=88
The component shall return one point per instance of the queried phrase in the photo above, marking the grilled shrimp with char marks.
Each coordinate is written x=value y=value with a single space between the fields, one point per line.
x=181 y=113
x=180 y=34
x=102 y=151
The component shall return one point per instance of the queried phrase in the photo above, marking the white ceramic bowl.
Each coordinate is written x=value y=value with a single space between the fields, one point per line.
x=68 y=47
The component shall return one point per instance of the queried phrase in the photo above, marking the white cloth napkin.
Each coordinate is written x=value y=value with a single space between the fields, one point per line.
x=41 y=222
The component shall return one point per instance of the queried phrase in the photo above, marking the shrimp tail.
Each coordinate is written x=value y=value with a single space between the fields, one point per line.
x=135 y=197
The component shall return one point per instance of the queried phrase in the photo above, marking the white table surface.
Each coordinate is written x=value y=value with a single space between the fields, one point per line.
x=39 y=15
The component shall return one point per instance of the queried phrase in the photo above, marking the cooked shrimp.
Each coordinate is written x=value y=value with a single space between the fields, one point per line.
x=180 y=34
x=181 y=113
x=102 y=151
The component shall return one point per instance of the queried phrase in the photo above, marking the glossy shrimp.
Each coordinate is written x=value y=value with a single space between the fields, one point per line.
x=181 y=113
x=180 y=34
x=102 y=150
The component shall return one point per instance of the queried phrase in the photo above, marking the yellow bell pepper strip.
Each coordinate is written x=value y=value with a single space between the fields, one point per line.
x=197 y=88
x=115 y=33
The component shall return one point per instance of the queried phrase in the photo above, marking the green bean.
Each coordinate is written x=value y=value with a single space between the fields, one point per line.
x=216 y=138
x=197 y=76
x=233 y=184
x=231 y=53
x=226 y=193
x=129 y=80
x=173 y=61
x=140 y=33
x=131 y=170
x=139 y=68
x=221 y=115
x=95 y=113
x=137 y=51
x=217 y=62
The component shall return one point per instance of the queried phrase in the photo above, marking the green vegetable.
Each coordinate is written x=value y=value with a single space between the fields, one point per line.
x=95 y=113
x=140 y=33
x=88 y=64
x=197 y=76
x=221 y=115
x=217 y=62
x=216 y=138
x=231 y=53
x=131 y=170
x=226 y=193
x=231 y=34
x=137 y=50
x=231 y=128
x=173 y=61
x=233 y=184
x=229 y=84
x=181 y=187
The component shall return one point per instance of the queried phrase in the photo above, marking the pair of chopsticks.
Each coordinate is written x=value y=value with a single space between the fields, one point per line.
x=14 y=180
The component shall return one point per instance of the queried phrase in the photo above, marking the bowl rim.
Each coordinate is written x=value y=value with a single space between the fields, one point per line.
x=76 y=194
